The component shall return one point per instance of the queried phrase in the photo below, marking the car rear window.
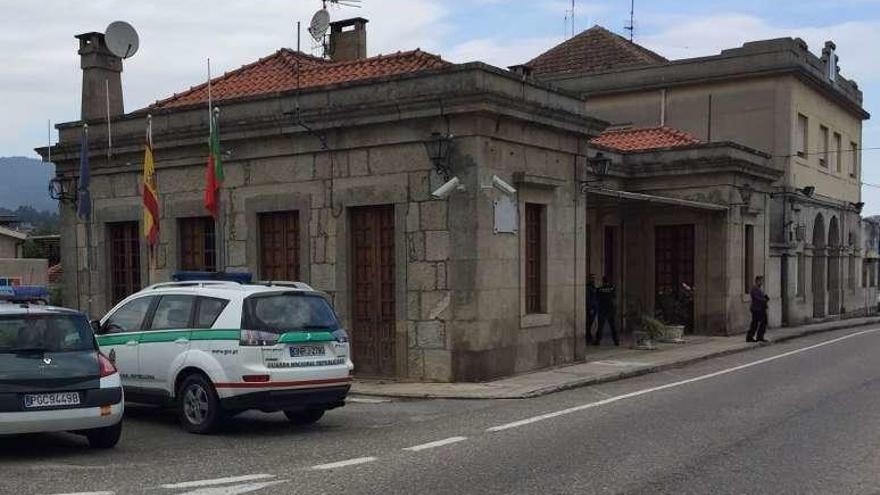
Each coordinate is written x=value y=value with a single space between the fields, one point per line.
x=48 y=333
x=288 y=312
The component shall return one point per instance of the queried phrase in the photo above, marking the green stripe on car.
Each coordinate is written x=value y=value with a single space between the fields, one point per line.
x=159 y=336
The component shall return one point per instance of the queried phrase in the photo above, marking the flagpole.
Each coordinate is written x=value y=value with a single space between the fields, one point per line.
x=88 y=225
x=218 y=218
x=109 y=131
x=151 y=254
x=210 y=102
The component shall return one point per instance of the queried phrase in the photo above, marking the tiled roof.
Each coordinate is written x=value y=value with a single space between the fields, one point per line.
x=13 y=233
x=278 y=73
x=594 y=50
x=644 y=139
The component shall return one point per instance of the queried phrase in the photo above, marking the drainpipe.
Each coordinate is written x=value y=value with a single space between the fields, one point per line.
x=783 y=269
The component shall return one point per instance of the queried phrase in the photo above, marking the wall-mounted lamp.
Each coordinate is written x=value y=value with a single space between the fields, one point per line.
x=858 y=206
x=63 y=189
x=439 y=147
x=600 y=165
x=745 y=194
x=807 y=191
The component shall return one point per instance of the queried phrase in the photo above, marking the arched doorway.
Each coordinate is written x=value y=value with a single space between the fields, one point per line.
x=833 y=267
x=819 y=270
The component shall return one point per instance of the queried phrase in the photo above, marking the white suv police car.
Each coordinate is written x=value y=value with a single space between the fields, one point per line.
x=215 y=348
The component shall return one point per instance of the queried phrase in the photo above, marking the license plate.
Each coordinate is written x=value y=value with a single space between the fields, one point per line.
x=306 y=350
x=34 y=401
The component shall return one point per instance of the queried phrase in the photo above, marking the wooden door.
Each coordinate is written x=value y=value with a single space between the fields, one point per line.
x=373 y=304
x=279 y=245
x=674 y=272
x=123 y=240
x=198 y=250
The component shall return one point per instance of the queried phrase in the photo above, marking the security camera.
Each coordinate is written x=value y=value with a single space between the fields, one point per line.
x=447 y=188
x=503 y=186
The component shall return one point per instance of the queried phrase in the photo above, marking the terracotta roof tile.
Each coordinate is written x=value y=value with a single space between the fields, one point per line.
x=594 y=50
x=644 y=139
x=278 y=73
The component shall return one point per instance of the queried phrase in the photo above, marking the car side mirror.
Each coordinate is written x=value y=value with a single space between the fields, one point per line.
x=96 y=326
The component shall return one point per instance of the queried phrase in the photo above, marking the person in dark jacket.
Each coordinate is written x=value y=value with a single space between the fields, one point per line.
x=606 y=295
x=759 y=311
x=592 y=306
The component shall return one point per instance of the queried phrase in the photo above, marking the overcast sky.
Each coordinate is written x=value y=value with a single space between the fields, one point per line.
x=40 y=76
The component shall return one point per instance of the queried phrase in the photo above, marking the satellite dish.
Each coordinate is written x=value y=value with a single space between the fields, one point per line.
x=320 y=24
x=121 y=39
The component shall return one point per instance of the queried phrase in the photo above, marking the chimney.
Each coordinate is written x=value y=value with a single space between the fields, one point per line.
x=829 y=60
x=102 y=74
x=348 y=39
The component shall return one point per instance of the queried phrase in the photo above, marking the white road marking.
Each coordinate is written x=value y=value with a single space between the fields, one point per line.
x=438 y=443
x=218 y=481
x=363 y=400
x=638 y=393
x=234 y=489
x=89 y=493
x=621 y=363
x=340 y=464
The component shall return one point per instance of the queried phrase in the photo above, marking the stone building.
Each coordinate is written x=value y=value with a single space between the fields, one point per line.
x=677 y=213
x=330 y=167
x=773 y=96
x=452 y=212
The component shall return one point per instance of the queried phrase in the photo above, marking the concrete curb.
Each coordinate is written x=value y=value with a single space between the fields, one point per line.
x=622 y=375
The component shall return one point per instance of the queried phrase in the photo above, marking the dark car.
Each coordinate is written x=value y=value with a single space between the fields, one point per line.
x=53 y=377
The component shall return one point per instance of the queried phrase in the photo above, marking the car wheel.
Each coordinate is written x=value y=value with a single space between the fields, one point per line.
x=305 y=417
x=198 y=405
x=104 y=438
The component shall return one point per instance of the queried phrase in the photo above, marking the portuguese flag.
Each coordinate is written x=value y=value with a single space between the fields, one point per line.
x=150 y=193
x=214 y=171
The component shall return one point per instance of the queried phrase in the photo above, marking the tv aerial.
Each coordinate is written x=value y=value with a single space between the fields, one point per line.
x=345 y=3
x=121 y=39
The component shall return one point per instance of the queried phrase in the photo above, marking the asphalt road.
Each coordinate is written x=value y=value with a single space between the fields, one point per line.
x=797 y=417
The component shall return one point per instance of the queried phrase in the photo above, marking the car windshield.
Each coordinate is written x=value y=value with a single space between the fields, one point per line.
x=46 y=333
x=288 y=312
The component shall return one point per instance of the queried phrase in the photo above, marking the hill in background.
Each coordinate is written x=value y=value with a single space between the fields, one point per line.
x=25 y=182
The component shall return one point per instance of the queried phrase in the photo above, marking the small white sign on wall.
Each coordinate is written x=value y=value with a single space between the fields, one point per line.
x=506 y=219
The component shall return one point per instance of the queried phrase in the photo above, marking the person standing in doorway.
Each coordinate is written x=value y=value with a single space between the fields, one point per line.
x=606 y=295
x=592 y=306
x=759 y=312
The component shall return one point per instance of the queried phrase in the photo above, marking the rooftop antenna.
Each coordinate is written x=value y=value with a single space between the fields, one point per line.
x=320 y=23
x=321 y=20
x=568 y=22
x=631 y=27
x=121 y=39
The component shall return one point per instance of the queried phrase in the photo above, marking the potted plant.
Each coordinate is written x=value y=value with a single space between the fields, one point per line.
x=645 y=330
x=673 y=308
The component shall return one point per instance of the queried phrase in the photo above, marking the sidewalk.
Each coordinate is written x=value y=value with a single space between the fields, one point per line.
x=604 y=364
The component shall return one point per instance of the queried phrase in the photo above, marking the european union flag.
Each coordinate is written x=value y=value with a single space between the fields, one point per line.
x=84 y=197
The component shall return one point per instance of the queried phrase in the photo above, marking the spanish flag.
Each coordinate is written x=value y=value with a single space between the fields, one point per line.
x=151 y=196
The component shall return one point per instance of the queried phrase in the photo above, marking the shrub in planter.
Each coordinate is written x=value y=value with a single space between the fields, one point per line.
x=674 y=308
x=649 y=330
